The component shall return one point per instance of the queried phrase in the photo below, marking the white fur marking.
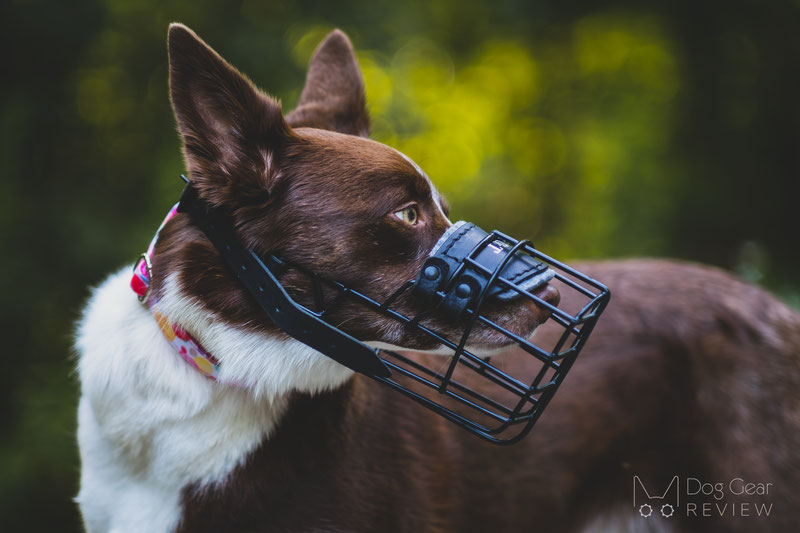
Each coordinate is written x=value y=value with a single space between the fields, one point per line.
x=271 y=172
x=446 y=351
x=266 y=156
x=247 y=357
x=150 y=425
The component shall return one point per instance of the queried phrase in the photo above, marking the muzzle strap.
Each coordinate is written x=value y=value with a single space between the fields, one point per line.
x=463 y=261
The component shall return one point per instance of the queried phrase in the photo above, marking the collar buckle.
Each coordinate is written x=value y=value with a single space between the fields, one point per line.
x=142 y=271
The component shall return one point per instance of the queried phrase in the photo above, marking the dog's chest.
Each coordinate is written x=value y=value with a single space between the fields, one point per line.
x=148 y=424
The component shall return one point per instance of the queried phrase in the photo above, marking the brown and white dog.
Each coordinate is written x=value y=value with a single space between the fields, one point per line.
x=691 y=372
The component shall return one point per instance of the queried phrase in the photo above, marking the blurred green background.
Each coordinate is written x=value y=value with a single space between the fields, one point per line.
x=598 y=129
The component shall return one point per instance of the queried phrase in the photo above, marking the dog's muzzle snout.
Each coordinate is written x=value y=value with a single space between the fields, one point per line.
x=468 y=265
x=465 y=269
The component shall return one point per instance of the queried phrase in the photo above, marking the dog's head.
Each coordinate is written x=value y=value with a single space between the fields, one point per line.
x=313 y=189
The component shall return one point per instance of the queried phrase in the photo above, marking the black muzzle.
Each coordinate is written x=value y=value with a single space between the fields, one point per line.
x=498 y=398
x=460 y=270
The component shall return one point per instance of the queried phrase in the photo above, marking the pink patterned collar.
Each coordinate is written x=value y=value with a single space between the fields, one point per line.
x=187 y=347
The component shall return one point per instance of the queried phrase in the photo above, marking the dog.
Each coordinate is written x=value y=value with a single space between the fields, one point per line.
x=690 y=373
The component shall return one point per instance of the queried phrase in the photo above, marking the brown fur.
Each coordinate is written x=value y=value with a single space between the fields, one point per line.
x=333 y=97
x=689 y=381
x=321 y=199
x=689 y=372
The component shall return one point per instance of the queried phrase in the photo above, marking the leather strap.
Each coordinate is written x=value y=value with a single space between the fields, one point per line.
x=460 y=265
x=260 y=280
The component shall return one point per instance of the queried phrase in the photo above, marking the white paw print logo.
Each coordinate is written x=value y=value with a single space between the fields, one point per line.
x=667 y=510
x=645 y=510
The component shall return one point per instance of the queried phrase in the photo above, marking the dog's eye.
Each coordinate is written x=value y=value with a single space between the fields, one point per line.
x=408 y=215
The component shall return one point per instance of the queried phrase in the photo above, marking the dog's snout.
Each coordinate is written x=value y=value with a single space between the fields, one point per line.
x=547 y=294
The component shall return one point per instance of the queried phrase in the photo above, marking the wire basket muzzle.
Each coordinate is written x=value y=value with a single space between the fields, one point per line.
x=498 y=397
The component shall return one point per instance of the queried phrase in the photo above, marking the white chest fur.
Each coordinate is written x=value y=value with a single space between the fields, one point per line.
x=149 y=424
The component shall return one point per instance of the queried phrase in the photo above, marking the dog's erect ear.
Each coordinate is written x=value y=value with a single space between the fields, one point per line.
x=233 y=134
x=333 y=97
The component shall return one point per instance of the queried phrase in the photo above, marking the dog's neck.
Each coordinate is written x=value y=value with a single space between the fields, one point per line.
x=250 y=356
x=155 y=423
x=271 y=366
